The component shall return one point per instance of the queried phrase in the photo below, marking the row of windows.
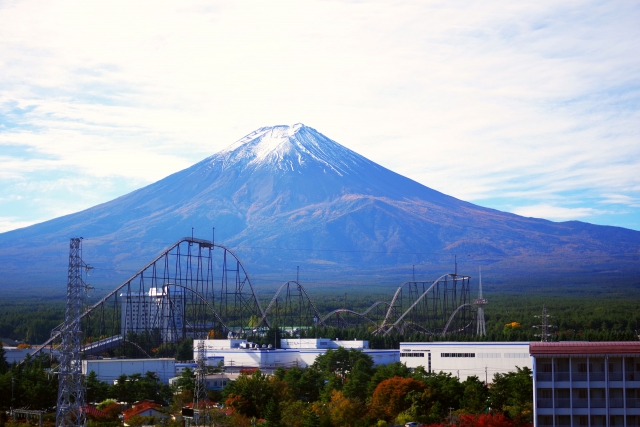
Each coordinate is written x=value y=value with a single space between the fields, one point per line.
x=477 y=355
x=457 y=355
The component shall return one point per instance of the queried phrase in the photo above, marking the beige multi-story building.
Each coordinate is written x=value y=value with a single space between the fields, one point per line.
x=588 y=384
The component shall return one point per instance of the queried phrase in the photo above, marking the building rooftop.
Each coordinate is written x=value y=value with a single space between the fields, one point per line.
x=584 y=347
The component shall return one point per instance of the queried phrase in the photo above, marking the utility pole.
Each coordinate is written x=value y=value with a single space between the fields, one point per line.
x=70 y=410
x=545 y=326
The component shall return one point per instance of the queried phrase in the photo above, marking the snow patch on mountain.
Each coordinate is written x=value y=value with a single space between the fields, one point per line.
x=287 y=148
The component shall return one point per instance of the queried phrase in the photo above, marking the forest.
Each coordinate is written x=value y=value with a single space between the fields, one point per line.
x=342 y=388
x=509 y=317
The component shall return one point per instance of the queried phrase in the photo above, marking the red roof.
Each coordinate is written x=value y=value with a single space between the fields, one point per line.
x=584 y=347
x=92 y=410
x=140 y=407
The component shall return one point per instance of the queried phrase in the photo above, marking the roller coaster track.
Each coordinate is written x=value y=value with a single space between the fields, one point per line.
x=444 y=331
x=241 y=281
x=395 y=298
x=362 y=315
x=385 y=328
x=232 y=306
x=286 y=287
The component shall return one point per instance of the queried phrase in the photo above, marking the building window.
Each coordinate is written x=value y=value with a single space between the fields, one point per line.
x=516 y=355
x=457 y=355
x=411 y=354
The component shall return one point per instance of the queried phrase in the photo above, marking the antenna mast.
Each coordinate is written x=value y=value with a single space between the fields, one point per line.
x=481 y=326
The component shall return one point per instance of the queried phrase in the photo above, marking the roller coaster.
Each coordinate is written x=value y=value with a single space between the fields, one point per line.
x=197 y=288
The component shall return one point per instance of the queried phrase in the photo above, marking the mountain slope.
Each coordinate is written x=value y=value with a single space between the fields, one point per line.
x=288 y=196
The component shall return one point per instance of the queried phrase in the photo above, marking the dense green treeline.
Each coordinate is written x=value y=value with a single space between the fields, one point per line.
x=30 y=320
x=31 y=384
x=576 y=317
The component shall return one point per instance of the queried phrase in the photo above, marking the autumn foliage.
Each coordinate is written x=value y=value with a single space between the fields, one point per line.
x=389 y=398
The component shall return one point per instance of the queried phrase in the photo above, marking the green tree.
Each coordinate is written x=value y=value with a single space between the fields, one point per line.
x=443 y=391
x=187 y=380
x=185 y=350
x=122 y=390
x=340 y=362
x=512 y=394
x=358 y=380
x=272 y=413
x=302 y=384
x=97 y=391
x=4 y=366
x=250 y=394
x=475 y=396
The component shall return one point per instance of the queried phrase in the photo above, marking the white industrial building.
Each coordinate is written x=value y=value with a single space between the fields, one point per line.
x=109 y=370
x=294 y=352
x=17 y=355
x=464 y=359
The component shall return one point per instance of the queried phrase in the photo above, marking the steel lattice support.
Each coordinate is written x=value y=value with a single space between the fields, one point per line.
x=71 y=400
x=200 y=392
x=481 y=328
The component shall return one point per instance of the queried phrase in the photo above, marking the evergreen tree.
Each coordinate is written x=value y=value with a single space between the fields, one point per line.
x=272 y=413
x=4 y=366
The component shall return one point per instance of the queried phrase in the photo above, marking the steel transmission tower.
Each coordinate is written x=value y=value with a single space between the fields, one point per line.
x=545 y=326
x=71 y=401
x=200 y=392
x=481 y=327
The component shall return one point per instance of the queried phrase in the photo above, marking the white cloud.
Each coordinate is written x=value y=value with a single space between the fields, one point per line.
x=12 y=223
x=557 y=213
x=621 y=199
x=484 y=100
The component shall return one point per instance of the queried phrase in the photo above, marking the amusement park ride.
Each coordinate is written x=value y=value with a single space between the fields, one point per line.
x=197 y=288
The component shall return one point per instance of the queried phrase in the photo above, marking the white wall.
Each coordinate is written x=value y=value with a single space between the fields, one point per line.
x=14 y=354
x=323 y=343
x=110 y=369
x=466 y=359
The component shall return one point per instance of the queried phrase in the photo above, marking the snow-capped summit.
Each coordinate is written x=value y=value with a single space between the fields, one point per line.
x=288 y=148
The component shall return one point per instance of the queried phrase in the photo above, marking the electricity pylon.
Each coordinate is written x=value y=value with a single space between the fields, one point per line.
x=70 y=411
x=545 y=326
x=200 y=392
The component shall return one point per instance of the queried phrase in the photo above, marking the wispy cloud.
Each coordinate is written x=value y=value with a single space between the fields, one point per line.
x=534 y=103
x=621 y=199
x=555 y=212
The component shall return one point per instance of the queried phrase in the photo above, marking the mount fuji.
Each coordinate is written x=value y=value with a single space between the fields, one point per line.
x=288 y=196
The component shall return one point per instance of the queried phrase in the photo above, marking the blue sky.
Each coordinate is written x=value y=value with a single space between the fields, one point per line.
x=527 y=107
